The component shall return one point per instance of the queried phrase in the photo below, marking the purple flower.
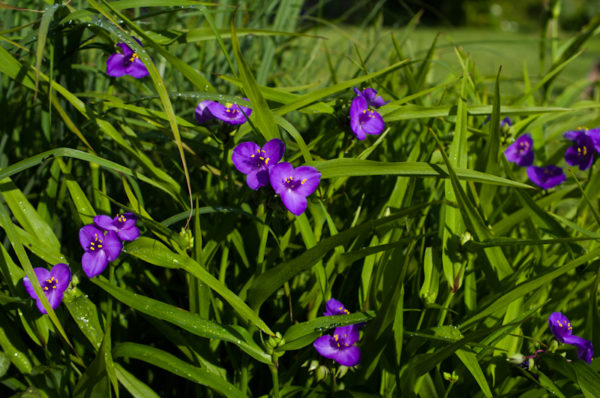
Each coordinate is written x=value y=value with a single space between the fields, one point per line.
x=100 y=248
x=53 y=283
x=228 y=113
x=335 y=307
x=546 y=177
x=340 y=347
x=582 y=152
x=521 y=151
x=122 y=224
x=127 y=63
x=255 y=161
x=363 y=120
x=370 y=94
x=294 y=185
x=203 y=114
x=563 y=331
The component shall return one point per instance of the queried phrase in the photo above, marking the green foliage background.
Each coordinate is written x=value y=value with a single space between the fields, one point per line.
x=425 y=232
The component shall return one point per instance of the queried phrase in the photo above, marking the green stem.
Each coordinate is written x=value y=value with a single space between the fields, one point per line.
x=275 y=376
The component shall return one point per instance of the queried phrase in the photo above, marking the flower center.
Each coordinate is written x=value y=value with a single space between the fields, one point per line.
x=96 y=243
x=133 y=57
x=582 y=150
x=50 y=284
x=232 y=109
x=366 y=115
x=567 y=325
x=340 y=342
x=523 y=146
x=261 y=158
x=292 y=184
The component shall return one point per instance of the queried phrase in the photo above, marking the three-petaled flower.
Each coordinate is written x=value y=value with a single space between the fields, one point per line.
x=228 y=113
x=53 y=283
x=126 y=63
x=364 y=120
x=546 y=177
x=100 y=248
x=122 y=224
x=520 y=151
x=255 y=161
x=294 y=185
x=563 y=331
x=581 y=154
x=340 y=346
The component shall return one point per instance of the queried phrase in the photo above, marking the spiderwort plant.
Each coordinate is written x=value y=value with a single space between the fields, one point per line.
x=256 y=162
x=581 y=153
x=563 y=332
x=53 y=283
x=124 y=225
x=546 y=177
x=100 y=248
x=364 y=120
x=521 y=151
x=294 y=184
x=340 y=346
x=126 y=63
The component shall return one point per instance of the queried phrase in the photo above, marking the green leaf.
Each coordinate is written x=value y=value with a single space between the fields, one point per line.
x=347 y=167
x=136 y=388
x=321 y=324
x=174 y=365
x=186 y=320
x=261 y=114
x=269 y=282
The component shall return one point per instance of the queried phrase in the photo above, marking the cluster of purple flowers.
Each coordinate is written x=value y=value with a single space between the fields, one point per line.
x=580 y=154
x=363 y=119
x=341 y=345
x=563 y=332
x=262 y=167
x=101 y=242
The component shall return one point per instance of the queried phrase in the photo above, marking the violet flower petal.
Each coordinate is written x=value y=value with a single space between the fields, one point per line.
x=324 y=346
x=294 y=202
x=105 y=222
x=348 y=356
x=115 y=65
x=559 y=326
x=335 y=307
x=202 y=113
x=274 y=150
x=112 y=246
x=546 y=177
x=62 y=273
x=244 y=157
x=137 y=69
x=309 y=179
x=42 y=274
x=359 y=104
x=93 y=263
x=372 y=98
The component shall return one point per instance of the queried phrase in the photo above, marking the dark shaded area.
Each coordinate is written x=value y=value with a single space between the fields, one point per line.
x=525 y=14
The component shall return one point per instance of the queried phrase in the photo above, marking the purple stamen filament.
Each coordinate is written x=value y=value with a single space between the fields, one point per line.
x=97 y=242
x=289 y=181
x=261 y=157
x=50 y=283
